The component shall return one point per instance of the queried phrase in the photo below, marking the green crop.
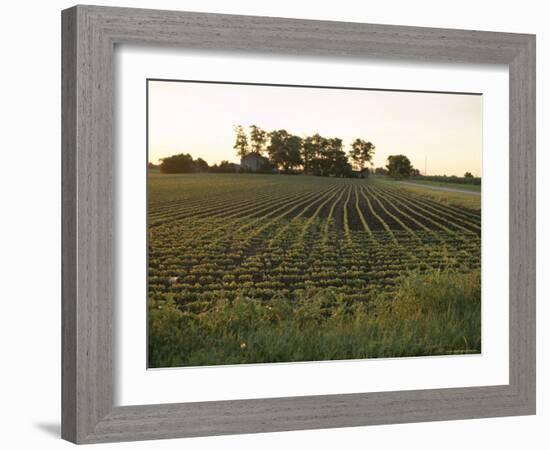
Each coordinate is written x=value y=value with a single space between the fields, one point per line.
x=340 y=253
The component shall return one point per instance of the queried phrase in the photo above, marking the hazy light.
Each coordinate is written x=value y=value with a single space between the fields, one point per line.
x=198 y=118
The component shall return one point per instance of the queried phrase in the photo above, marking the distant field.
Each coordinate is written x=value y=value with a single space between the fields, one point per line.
x=458 y=199
x=460 y=186
x=264 y=268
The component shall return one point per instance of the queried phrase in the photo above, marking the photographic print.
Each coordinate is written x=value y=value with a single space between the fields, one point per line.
x=305 y=223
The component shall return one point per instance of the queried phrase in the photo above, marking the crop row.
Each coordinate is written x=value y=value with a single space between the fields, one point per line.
x=276 y=236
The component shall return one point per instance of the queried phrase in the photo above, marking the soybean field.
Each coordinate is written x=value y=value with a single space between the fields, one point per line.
x=230 y=253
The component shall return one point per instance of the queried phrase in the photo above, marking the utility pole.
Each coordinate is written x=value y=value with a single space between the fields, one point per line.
x=425 y=165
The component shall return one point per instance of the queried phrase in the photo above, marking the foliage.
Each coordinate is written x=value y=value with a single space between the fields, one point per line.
x=453 y=199
x=221 y=239
x=258 y=139
x=468 y=178
x=181 y=163
x=361 y=153
x=241 y=141
x=224 y=167
x=201 y=165
x=284 y=150
x=325 y=156
x=312 y=151
x=399 y=166
x=434 y=313
x=315 y=155
x=334 y=160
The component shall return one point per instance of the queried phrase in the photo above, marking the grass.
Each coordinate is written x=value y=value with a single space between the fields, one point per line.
x=460 y=186
x=246 y=268
x=434 y=313
x=444 y=197
x=447 y=198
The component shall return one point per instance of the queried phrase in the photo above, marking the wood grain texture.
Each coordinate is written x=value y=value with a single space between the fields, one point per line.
x=522 y=224
x=68 y=224
x=89 y=36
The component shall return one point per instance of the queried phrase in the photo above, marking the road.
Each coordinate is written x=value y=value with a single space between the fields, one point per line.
x=441 y=188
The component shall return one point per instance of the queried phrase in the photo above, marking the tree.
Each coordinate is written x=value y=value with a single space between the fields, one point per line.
x=361 y=153
x=468 y=175
x=312 y=149
x=399 y=166
x=284 y=150
x=258 y=139
x=201 y=165
x=276 y=148
x=335 y=161
x=224 y=167
x=228 y=167
x=293 y=153
x=324 y=156
x=182 y=163
x=380 y=171
x=241 y=141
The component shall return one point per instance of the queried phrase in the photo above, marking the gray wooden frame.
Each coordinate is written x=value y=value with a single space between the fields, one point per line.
x=89 y=36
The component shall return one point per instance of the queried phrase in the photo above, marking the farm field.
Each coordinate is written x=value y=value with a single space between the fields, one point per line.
x=448 y=198
x=266 y=268
x=441 y=184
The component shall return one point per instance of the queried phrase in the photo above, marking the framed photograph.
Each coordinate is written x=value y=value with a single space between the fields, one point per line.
x=278 y=224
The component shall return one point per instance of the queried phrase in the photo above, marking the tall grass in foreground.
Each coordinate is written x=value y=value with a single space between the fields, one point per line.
x=437 y=313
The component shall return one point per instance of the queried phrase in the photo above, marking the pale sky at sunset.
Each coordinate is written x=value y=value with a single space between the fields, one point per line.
x=198 y=118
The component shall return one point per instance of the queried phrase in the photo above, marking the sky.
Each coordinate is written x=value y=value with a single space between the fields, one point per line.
x=439 y=132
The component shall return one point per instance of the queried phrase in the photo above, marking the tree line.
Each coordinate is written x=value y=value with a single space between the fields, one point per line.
x=312 y=155
x=184 y=163
x=468 y=178
x=287 y=153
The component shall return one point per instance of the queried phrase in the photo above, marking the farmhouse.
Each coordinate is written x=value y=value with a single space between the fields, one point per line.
x=254 y=162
